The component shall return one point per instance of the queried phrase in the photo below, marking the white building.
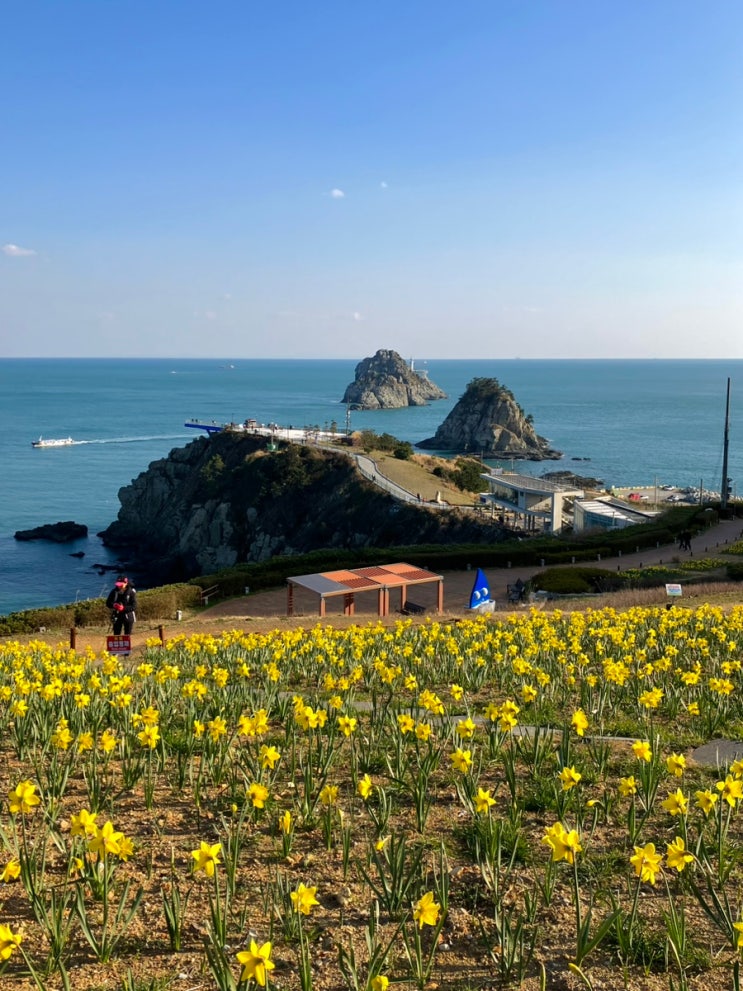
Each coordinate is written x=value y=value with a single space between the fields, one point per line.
x=528 y=503
x=606 y=514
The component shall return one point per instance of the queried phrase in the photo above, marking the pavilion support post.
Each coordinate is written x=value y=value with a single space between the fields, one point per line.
x=440 y=597
x=349 y=604
x=321 y=610
x=403 y=597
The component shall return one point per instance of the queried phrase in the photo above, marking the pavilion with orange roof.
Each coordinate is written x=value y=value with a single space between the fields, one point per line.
x=380 y=578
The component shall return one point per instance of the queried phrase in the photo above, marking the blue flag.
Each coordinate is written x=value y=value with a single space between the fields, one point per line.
x=480 y=590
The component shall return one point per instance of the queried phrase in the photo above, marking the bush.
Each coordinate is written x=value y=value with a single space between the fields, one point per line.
x=466 y=475
x=577 y=581
x=403 y=451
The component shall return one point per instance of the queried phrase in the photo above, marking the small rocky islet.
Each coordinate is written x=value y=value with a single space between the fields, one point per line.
x=58 y=533
x=386 y=381
x=487 y=420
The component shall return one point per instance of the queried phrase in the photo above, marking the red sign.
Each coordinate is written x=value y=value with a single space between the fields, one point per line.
x=119 y=645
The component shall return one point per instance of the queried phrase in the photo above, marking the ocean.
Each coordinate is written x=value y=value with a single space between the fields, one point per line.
x=629 y=422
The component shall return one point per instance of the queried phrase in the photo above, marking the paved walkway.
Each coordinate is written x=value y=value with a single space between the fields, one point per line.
x=458 y=584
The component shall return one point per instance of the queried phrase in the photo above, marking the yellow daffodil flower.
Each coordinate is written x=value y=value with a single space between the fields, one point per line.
x=258 y=794
x=677 y=856
x=23 y=798
x=256 y=963
x=564 y=845
x=705 y=800
x=206 y=858
x=426 y=912
x=579 y=722
x=641 y=750
x=9 y=941
x=303 y=899
x=569 y=778
x=647 y=862
x=731 y=789
x=365 y=787
x=676 y=764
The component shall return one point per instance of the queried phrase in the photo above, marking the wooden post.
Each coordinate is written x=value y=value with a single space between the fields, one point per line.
x=161 y=631
x=440 y=597
x=73 y=638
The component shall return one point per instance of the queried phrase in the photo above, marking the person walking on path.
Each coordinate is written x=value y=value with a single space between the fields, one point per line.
x=122 y=601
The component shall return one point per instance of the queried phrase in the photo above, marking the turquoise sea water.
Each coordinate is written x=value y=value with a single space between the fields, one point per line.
x=639 y=422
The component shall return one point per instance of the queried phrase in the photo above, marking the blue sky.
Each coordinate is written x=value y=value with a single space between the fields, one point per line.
x=496 y=179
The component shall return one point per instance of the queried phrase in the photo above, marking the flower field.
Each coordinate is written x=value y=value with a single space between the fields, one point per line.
x=473 y=804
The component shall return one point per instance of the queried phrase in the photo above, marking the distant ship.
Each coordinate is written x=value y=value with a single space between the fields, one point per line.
x=58 y=442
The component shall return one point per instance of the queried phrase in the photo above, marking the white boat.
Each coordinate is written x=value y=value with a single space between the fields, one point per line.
x=52 y=442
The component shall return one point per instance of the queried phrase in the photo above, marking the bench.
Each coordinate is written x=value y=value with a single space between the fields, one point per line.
x=412 y=609
x=516 y=592
x=208 y=593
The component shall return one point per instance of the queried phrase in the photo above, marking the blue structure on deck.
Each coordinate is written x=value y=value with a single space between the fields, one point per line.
x=211 y=428
x=480 y=594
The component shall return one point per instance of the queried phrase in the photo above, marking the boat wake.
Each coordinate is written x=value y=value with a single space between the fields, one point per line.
x=131 y=440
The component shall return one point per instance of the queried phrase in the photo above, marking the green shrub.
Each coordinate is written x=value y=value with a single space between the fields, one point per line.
x=403 y=451
x=577 y=581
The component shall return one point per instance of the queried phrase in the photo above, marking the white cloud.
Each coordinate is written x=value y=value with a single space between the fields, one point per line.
x=357 y=316
x=337 y=194
x=383 y=185
x=14 y=251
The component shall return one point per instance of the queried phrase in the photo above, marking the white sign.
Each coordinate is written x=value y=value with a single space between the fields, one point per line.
x=673 y=589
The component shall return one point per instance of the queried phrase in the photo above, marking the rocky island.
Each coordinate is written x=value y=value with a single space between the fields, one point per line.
x=59 y=533
x=386 y=381
x=228 y=500
x=487 y=420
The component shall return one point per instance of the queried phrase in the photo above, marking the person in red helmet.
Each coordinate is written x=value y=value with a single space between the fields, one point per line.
x=122 y=601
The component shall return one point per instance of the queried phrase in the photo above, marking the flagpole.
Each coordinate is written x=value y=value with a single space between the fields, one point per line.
x=726 y=441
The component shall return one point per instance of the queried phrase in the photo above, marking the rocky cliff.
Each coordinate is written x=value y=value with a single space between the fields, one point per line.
x=226 y=499
x=386 y=381
x=487 y=420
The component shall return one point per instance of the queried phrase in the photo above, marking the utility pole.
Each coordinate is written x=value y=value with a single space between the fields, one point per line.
x=725 y=480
